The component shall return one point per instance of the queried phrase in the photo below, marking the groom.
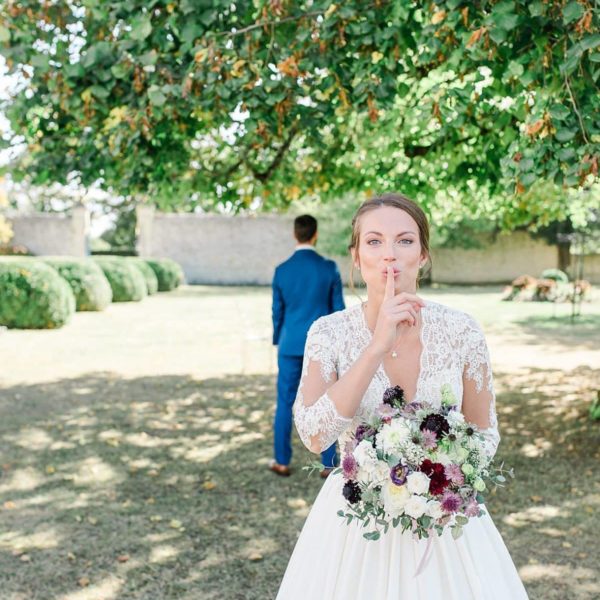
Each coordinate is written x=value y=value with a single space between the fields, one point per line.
x=305 y=287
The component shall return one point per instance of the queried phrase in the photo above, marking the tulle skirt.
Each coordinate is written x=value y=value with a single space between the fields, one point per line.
x=332 y=561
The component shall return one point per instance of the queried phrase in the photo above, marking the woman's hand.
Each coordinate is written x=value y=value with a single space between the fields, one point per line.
x=395 y=310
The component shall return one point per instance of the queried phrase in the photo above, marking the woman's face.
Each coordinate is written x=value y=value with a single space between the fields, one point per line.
x=389 y=237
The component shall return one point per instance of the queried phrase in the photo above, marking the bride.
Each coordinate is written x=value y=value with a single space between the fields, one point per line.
x=394 y=339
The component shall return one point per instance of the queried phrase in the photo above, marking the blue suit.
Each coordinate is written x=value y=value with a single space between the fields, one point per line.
x=305 y=287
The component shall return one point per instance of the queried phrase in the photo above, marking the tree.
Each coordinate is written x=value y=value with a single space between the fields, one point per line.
x=448 y=100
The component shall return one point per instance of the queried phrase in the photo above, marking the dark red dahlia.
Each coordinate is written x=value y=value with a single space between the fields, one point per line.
x=394 y=396
x=352 y=492
x=435 y=423
x=437 y=476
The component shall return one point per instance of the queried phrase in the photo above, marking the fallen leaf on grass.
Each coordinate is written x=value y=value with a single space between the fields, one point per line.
x=83 y=581
x=25 y=558
x=92 y=520
x=123 y=558
x=255 y=556
x=71 y=556
x=9 y=505
x=175 y=524
x=209 y=485
x=535 y=498
x=50 y=469
x=155 y=518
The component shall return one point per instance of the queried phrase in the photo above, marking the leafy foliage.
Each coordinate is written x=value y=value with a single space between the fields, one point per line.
x=167 y=271
x=148 y=273
x=33 y=295
x=90 y=286
x=126 y=280
x=224 y=102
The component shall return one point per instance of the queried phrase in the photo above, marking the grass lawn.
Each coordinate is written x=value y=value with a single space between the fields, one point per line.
x=124 y=478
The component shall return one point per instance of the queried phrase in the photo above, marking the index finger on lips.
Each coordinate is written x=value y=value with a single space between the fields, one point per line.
x=389 y=284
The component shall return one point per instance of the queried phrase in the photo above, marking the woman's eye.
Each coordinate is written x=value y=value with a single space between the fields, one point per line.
x=407 y=241
x=372 y=242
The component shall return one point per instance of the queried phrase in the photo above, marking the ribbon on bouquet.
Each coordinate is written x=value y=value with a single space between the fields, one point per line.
x=425 y=558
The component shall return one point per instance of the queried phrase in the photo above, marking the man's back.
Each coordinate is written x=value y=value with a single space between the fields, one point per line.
x=305 y=287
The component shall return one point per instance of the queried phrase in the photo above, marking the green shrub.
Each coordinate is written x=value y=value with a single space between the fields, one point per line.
x=168 y=272
x=127 y=282
x=147 y=272
x=556 y=275
x=88 y=282
x=33 y=295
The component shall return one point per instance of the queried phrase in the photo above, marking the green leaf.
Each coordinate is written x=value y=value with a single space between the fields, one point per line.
x=595 y=57
x=565 y=135
x=559 y=112
x=141 y=28
x=4 y=34
x=120 y=71
x=156 y=96
x=536 y=9
x=99 y=92
x=456 y=532
x=565 y=154
x=40 y=61
x=572 y=11
x=208 y=17
x=590 y=42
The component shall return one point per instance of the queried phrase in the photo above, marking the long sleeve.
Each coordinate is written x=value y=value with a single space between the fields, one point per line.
x=479 y=399
x=278 y=309
x=317 y=420
x=336 y=301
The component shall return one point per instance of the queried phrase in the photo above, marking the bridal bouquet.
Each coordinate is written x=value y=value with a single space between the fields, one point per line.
x=418 y=467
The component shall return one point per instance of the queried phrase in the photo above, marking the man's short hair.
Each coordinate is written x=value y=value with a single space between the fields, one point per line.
x=305 y=227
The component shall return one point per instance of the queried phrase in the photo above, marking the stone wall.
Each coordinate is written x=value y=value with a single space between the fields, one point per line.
x=52 y=233
x=216 y=249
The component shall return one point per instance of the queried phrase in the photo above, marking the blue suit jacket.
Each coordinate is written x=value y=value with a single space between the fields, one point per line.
x=305 y=287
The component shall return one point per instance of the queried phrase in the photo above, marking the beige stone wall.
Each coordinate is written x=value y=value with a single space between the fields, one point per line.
x=220 y=249
x=509 y=256
x=51 y=233
x=217 y=249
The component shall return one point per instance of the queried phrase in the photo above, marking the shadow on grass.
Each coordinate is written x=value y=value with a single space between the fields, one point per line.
x=157 y=487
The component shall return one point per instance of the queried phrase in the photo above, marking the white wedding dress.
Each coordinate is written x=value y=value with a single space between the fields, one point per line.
x=331 y=560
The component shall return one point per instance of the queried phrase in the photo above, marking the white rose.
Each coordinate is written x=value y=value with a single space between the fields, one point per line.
x=394 y=498
x=392 y=435
x=416 y=506
x=417 y=483
x=365 y=454
x=455 y=417
x=434 y=509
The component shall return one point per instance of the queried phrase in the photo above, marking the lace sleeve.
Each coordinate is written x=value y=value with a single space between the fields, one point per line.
x=317 y=420
x=479 y=399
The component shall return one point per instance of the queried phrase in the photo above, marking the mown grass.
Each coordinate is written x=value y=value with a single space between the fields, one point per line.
x=157 y=488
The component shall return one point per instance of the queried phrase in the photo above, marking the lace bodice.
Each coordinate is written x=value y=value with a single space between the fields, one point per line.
x=454 y=352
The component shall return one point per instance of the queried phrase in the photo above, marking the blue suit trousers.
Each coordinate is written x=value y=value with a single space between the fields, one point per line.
x=288 y=379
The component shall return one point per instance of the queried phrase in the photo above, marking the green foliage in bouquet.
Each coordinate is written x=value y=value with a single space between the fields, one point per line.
x=147 y=272
x=127 y=282
x=168 y=272
x=87 y=280
x=33 y=295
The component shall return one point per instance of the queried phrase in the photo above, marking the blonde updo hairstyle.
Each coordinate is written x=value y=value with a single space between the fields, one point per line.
x=393 y=200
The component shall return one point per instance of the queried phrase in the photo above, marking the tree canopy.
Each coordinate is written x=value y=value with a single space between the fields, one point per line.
x=192 y=101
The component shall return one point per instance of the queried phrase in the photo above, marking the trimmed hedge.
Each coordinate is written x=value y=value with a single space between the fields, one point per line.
x=87 y=280
x=168 y=272
x=147 y=272
x=127 y=282
x=33 y=295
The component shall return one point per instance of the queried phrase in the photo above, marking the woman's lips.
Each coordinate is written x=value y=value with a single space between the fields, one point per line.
x=396 y=273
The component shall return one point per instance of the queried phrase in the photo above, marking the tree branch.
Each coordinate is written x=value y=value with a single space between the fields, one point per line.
x=575 y=108
x=263 y=176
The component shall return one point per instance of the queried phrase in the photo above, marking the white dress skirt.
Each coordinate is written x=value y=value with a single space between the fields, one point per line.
x=333 y=561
